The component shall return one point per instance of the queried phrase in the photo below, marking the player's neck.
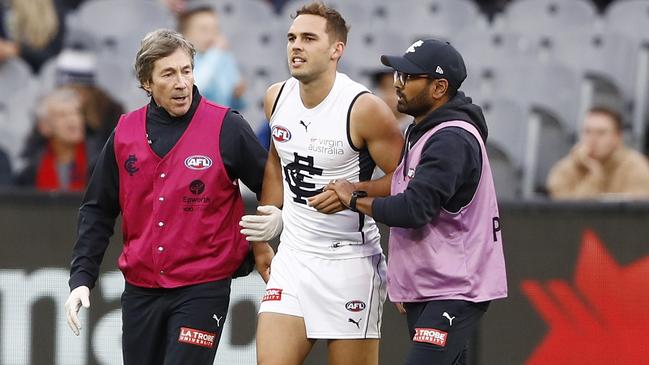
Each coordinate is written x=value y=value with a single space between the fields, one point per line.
x=315 y=91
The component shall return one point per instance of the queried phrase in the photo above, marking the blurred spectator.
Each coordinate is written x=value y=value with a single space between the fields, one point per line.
x=263 y=134
x=56 y=152
x=177 y=7
x=600 y=165
x=382 y=82
x=76 y=69
x=215 y=68
x=32 y=30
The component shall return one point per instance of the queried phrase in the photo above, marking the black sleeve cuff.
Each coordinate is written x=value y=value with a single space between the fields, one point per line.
x=81 y=279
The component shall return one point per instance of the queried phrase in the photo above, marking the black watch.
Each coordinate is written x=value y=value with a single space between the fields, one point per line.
x=355 y=195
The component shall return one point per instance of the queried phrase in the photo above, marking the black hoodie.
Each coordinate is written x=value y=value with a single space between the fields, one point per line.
x=448 y=172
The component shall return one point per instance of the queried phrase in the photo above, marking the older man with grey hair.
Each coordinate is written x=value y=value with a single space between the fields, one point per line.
x=171 y=168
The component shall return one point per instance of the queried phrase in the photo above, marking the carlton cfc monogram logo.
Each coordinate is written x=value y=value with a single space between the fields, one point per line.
x=198 y=162
x=281 y=134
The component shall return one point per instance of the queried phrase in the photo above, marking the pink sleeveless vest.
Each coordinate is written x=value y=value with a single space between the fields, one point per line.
x=181 y=212
x=457 y=255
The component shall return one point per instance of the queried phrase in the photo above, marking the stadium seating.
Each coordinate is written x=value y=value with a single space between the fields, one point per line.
x=631 y=19
x=365 y=47
x=542 y=62
x=236 y=15
x=431 y=18
x=538 y=16
x=18 y=95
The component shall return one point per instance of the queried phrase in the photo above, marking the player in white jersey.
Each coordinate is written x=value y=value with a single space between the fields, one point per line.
x=328 y=277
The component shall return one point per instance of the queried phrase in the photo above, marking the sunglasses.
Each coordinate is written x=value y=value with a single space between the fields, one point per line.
x=403 y=77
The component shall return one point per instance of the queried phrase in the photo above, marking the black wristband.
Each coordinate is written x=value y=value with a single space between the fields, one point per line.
x=355 y=195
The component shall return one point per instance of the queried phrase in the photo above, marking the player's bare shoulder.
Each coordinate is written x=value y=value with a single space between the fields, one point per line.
x=272 y=93
x=371 y=116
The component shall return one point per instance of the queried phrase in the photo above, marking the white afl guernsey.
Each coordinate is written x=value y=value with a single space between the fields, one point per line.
x=314 y=146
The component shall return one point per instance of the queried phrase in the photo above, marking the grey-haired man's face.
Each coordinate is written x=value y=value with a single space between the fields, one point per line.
x=172 y=81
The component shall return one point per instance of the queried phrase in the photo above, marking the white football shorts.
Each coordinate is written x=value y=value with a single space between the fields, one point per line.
x=338 y=299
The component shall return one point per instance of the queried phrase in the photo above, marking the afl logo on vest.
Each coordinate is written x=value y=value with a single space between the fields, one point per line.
x=281 y=134
x=198 y=162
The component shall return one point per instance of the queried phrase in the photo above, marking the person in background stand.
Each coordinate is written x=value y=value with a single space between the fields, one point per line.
x=56 y=153
x=600 y=165
x=215 y=69
x=76 y=69
x=382 y=84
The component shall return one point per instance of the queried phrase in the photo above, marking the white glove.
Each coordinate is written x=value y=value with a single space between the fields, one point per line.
x=78 y=296
x=263 y=227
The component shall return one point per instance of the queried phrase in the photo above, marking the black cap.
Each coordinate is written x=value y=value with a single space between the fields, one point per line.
x=430 y=57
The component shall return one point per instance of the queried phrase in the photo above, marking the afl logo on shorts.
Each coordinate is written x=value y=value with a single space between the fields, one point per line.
x=355 y=306
x=198 y=162
x=281 y=134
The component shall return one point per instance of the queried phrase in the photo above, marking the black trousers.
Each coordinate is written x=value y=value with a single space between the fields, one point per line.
x=173 y=326
x=440 y=330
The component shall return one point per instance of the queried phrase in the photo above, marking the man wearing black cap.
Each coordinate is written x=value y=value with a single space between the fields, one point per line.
x=445 y=260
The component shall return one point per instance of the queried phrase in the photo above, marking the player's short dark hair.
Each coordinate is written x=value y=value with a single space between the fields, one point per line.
x=615 y=115
x=184 y=17
x=156 y=45
x=337 y=28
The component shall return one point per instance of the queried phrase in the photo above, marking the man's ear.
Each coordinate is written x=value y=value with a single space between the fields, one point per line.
x=147 y=86
x=440 y=89
x=339 y=48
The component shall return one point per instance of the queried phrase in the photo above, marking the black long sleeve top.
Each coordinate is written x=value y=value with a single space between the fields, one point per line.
x=243 y=156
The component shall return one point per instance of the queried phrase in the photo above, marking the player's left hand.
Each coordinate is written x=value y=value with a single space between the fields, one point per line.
x=326 y=202
x=263 y=256
x=343 y=189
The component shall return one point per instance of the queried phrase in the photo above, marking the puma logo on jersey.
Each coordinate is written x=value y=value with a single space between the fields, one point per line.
x=448 y=316
x=305 y=125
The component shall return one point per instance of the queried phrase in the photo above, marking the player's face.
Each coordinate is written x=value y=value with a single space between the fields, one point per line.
x=171 y=83
x=310 y=50
x=414 y=98
x=600 y=135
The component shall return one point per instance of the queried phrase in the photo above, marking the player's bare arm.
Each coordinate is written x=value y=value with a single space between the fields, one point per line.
x=269 y=221
x=372 y=126
x=272 y=192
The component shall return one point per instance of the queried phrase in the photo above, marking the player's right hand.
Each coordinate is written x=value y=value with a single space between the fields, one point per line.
x=79 y=296
x=262 y=227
